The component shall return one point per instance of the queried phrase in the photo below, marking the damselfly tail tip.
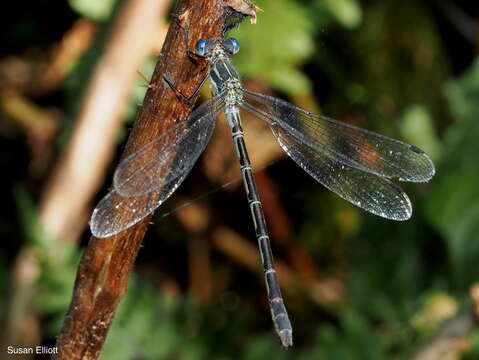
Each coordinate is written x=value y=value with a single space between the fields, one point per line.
x=286 y=337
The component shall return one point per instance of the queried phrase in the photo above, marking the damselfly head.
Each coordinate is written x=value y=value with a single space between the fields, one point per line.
x=206 y=48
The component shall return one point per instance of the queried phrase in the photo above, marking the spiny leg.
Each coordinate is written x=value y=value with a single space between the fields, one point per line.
x=146 y=80
x=187 y=99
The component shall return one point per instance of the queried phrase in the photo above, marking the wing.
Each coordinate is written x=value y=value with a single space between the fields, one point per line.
x=350 y=145
x=115 y=213
x=137 y=192
x=370 y=192
x=161 y=162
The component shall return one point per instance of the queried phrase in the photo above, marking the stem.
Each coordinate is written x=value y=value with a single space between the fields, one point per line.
x=104 y=269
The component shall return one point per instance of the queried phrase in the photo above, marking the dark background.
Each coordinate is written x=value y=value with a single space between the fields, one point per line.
x=357 y=286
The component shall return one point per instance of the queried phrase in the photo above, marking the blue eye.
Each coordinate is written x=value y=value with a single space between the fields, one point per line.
x=231 y=45
x=201 y=48
x=235 y=44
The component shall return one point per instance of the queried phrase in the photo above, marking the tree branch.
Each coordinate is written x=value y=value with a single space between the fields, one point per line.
x=103 y=272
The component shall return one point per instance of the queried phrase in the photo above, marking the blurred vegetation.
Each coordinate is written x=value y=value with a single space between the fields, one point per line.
x=404 y=69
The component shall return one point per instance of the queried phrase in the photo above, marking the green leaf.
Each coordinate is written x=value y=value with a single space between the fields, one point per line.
x=277 y=45
x=93 y=9
x=347 y=12
x=417 y=128
x=453 y=205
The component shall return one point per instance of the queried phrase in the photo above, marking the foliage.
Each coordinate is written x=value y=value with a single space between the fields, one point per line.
x=277 y=58
x=94 y=10
x=57 y=262
x=372 y=63
x=457 y=193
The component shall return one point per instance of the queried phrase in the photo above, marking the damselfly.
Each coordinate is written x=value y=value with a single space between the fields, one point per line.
x=354 y=163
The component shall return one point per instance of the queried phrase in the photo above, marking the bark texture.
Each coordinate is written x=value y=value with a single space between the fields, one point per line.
x=104 y=269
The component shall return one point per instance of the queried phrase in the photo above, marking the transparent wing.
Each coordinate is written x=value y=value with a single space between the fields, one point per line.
x=350 y=145
x=168 y=157
x=370 y=192
x=117 y=212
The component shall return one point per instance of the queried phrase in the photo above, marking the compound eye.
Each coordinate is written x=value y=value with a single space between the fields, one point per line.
x=231 y=45
x=200 y=48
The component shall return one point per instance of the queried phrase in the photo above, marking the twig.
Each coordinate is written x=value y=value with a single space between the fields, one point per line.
x=81 y=170
x=464 y=23
x=450 y=342
x=104 y=269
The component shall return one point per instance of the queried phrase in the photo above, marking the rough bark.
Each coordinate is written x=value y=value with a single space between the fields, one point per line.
x=103 y=272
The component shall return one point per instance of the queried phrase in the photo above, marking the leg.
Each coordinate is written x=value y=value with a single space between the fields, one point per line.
x=188 y=99
x=145 y=79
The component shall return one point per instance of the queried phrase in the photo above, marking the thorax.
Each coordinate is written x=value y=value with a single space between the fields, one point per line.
x=225 y=78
